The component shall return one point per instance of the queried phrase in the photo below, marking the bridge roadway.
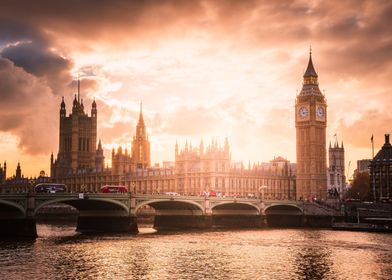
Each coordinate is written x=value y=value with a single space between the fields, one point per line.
x=100 y=212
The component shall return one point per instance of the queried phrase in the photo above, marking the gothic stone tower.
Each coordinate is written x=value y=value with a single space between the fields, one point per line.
x=78 y=138
x=140 y=144
x=336 y=178
x=311 y=123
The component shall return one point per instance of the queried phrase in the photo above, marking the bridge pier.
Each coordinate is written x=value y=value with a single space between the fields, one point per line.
x=18 y=228
x=15 y=223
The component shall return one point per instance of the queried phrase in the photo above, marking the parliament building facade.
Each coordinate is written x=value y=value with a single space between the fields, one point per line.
x=196 y=170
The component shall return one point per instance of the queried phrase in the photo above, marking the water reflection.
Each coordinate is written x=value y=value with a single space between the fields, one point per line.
x=60 y=253
x=313 y=261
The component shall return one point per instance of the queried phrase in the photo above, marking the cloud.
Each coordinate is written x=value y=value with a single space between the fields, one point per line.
x=37 y=59
x=27 y=108
x=187 y=59
x=186 y=121
x=14 y=29
x=33 y=76
x=370 y=122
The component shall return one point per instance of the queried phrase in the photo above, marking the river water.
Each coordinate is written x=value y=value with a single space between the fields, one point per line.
x=61 y=253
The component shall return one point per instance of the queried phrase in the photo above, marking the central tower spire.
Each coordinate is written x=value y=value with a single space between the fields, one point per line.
x=141 y=120
x=140 y=144
x=79 y=88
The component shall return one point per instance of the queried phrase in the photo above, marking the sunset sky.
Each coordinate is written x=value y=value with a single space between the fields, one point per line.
x=203 y=69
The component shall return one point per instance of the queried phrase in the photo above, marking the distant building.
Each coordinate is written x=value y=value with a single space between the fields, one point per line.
x=381 y=172
x=205 y=169
x=20 y=183
x=336 y=179
x=3 y=173
x=363 y=165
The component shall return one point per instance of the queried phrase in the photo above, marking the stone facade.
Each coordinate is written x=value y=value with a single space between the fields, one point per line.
x=77 y=141
x=311 y=123
x=336 y=178
x=123 y=162
x=381 y=173
x=195 y=171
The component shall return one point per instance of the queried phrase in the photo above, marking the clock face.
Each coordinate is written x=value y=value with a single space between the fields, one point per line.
x=303 y=112
x=320 y=112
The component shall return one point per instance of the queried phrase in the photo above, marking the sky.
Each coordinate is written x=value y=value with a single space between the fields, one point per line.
x=203 y=70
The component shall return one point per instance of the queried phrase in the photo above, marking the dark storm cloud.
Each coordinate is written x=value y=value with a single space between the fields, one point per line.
x=31 y=49
x=348 y=31
x=92 y=19
x=31 y=74
x=22 y=98
x=13 y=30
x=36 y=58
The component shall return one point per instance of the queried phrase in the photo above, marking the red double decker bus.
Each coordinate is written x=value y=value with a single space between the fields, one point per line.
x=114 y=189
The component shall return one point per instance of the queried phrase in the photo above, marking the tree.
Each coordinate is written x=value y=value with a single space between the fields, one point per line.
x=360 y=187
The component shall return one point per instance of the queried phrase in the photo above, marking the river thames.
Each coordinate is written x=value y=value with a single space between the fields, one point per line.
x=61 y=253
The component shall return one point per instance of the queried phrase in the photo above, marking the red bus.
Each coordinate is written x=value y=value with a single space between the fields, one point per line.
x=114 y=189
x=50 y=188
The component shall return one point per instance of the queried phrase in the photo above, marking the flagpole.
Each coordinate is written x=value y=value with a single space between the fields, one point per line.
x=373 y=163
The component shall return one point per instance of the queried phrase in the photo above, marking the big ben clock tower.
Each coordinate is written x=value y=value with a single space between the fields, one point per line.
x=311 y=123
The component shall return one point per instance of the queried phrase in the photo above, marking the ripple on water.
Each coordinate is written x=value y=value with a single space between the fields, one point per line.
x=61 y=253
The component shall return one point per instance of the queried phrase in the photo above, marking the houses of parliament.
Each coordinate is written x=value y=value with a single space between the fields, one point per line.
x=199 y=168
x=196 y=169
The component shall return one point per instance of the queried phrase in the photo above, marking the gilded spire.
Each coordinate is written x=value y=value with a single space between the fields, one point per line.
x=78 y=87
x=310 y=71
x=141 y=120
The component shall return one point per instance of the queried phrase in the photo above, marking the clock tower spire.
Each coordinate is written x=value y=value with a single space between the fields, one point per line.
x=311 y=123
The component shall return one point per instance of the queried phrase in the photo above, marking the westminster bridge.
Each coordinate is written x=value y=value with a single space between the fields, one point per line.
x=99 y=212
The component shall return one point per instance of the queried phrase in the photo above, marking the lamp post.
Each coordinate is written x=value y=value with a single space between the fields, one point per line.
x=261 y=189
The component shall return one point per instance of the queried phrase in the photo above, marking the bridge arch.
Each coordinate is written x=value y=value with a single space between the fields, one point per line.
x=87 y=204
x=235 y=207
x=278 y=209
x=172 y=204
x=12 y=206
